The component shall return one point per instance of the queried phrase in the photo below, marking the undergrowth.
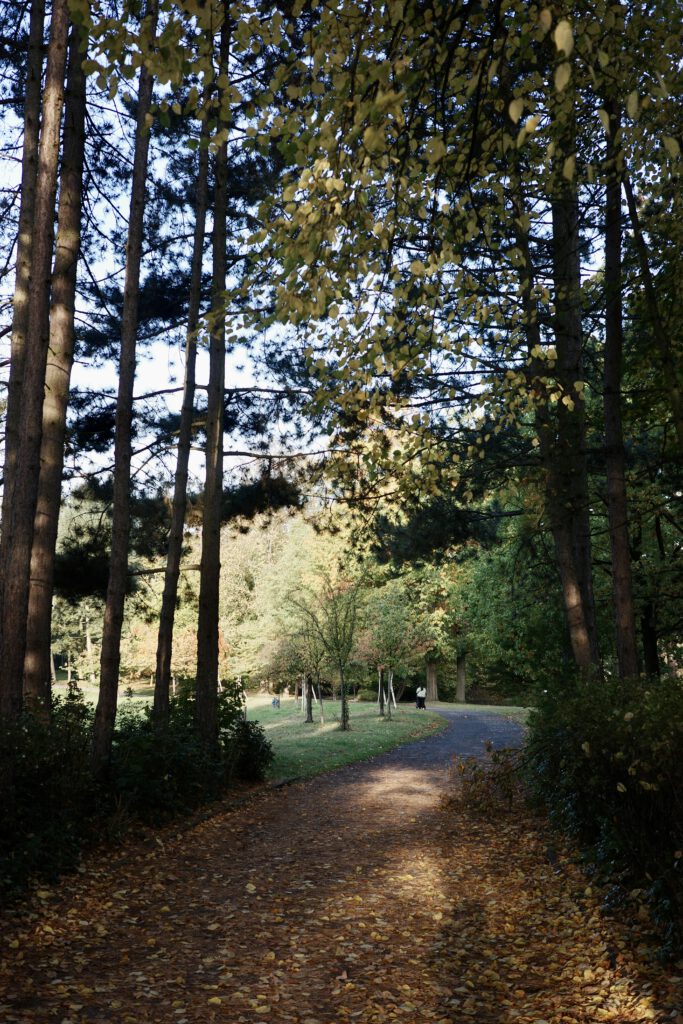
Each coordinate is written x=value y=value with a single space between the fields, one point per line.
x=52 y=807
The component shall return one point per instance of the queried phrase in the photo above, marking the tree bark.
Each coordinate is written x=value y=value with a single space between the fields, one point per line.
x=309 y=699
x=175 y=541
x=461 y=677
x=20 y=302
x=432 y=683
x=206 y=707
x=570 y=474
x=105 y=713
x=37 y=660
x=344 y=710
x=17 y=535
x=558 y=505
x=615 y=459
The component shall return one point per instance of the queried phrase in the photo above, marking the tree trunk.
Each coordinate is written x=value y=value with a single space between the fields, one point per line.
x=461 y=676
x=344 y=723
x=432 y=684
x=37 y=689
x=390 y=691
x=110 y=658
x=669 y=364
x=20 y=302
x=559 y=506
x=17 y=535
x=570 y=471
x=209 y=585
x=309 y=699
x=175 y=540
x=615 y=459
x=380 y=695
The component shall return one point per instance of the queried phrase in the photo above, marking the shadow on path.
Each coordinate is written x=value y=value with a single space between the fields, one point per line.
x=356 y=896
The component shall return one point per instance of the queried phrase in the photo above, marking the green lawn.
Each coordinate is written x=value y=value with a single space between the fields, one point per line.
x=302 y=750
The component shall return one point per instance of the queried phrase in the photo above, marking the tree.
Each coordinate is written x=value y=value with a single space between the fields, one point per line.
x=207 y=624
x=27 y=391
x=332 y=613
x=413 y=148
x=37 y=662
x=393 y=637
x=105 y=713
x=175 y=543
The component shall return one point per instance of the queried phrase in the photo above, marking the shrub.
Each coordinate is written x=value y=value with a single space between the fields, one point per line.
x=605 y=759
x=48 y=798
x=367 y=694
x=158 y=773
x=485 y=787
x=250 y=753
x=51 y=806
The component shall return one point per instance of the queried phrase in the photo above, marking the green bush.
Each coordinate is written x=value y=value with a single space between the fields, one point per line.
x=606 y=758
x=158 y=773
x=249 y=751
x=48 y=798
x=51 y=806
x=367 y=694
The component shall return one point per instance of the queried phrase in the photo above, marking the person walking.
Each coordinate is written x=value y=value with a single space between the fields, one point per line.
x=421 y=694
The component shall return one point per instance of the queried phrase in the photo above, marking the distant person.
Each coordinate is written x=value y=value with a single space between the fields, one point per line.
x=421 y=694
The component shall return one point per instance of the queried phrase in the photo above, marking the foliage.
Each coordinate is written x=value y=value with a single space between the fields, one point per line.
x=352 y=898
x=157 y=773
x=487 y=787
x=393 y=636
x=48 y=797
x=605 y=759
x=51 y=807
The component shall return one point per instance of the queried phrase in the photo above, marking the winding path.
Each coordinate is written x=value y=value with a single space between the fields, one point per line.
x=358 y=896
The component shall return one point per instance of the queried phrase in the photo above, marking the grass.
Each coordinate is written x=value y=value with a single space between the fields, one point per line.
x=302 y=751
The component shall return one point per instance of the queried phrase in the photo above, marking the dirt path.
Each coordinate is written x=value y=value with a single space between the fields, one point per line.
x=354 y=897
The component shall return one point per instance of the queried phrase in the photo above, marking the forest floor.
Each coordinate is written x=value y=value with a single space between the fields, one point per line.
x=361 y=895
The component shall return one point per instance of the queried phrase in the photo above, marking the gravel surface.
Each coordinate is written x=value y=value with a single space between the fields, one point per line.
x=466 y=736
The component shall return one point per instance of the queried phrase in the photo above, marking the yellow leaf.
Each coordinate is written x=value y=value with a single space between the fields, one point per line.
x=515 y=110
x=214 y=1001
x=632 y=104
x=564 y=37
x=569 y=167
x=672 y=146
x=436 y=150
x=545 y=20
x=563 y=72
x=604 y=117
x=250 y=887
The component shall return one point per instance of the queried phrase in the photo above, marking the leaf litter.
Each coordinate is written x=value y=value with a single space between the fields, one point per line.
x=358 y=896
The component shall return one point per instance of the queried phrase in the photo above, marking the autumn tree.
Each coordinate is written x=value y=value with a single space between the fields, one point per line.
x=440 y=210
x=37 y=662
x=116 y=591
x=26 y=384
